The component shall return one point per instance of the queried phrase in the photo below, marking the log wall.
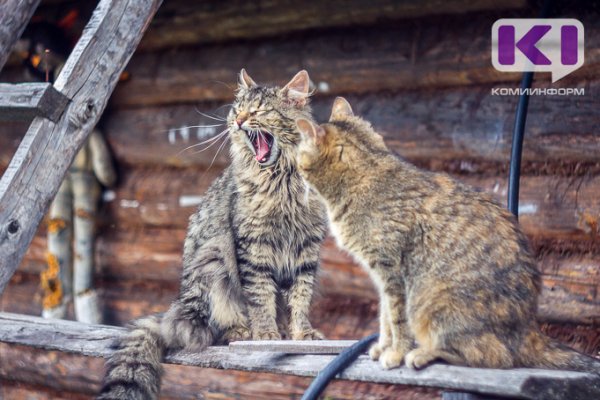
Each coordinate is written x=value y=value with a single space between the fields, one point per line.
x=424 y=81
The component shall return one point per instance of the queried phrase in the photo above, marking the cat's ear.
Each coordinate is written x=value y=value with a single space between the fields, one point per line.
x=245 y=81
x=341 y=108
x=310 y=130
x=298 y=88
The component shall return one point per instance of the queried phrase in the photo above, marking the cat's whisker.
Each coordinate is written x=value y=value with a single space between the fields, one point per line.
x=218 y=151
x=216 y=118
x=194 y=126
x=218 y=136
x=211 y=144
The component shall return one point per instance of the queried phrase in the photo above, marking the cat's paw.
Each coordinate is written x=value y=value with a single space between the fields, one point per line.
x=237 y=333
x=376 y=350
x=267 y=335
x=391 y=358
x=311 y=334
x=419 y=358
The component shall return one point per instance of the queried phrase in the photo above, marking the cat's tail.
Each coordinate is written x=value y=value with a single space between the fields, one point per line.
x=540 y=351
x=134 y=370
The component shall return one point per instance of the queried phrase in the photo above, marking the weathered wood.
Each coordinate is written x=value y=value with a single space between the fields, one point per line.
x=25 y=101
x=94 y=340
x=14 y=16
x=552 y=207
x=570 y=291
x=423 y=126
x=87 y=79
x=424 y=53
x=63 y=372
x=293 y=346
x=187 y=23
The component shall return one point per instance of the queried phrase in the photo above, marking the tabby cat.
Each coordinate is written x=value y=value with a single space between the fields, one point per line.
x=456 y=279
x=251 y=252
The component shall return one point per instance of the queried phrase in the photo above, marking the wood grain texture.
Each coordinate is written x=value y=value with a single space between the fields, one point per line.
x=420 y=53
x=464 y=124
x=25 y=101
x=93 y=340
x=87 y=79
x=138 y=273
x=14 y=16
x=183 y=23
x=80 y=376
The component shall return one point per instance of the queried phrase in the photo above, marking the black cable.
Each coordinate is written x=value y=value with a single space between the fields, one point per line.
x=517 y=145
x=337 y=365
x=514 y=174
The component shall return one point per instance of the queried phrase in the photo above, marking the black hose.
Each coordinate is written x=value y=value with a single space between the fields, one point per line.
x=337 y=365
x=517 y=145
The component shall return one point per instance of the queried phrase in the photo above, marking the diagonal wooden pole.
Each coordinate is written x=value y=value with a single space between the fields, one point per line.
x=48 y=148
x=14 y=16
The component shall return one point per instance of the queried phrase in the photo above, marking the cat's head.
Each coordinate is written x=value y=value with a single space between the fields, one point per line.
x=262 y=120
x=347 y=144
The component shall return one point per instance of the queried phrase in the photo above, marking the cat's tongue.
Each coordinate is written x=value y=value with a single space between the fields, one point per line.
x=262 y=148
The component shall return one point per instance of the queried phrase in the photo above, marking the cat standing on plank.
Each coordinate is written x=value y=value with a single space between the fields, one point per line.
x=252 y=249
x=456 y=279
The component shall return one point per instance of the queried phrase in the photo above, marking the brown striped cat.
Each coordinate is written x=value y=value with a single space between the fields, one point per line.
x=251 y=252
x=455 y=276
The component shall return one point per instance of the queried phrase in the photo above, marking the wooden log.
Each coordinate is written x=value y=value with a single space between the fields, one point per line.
x=183 y=23
x=81 y=375
x=14 y=16
x=24 y=101
x=424 y=53
x=141 y=267
x=551 y=207
x=425 y=127
x=94 y=340
x=87 y=79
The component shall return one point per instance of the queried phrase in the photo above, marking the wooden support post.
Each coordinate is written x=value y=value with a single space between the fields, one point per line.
x=45 y=153
x=14 y=16
x=25 y=101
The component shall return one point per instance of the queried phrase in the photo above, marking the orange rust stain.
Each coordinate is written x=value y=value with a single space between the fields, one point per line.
x=56 y=224
x=81 y=213
x=50 y=283
x=589 y=223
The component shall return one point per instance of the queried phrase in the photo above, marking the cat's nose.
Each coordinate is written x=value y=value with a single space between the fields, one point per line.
x=241 y=118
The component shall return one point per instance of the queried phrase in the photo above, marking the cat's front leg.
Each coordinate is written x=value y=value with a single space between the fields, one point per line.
x=385 y=332
x=299 y=298
x=260 y=292
x=401 y=339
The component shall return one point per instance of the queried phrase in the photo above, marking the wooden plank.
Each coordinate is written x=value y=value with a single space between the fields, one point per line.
x=425 y=53
x=71 y=373
x=25 y=101
x=88 y=77
x=183 y=23
x=94 y=340
x=293 y=346
x=14 y=16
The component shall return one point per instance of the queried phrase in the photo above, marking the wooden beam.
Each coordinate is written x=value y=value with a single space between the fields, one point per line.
x=87 y=79
x=14 y=16
x=293 y=346
x=94 y=340
x=183 y=23
x=412 y=54
x=25 y=101
x=66 y=373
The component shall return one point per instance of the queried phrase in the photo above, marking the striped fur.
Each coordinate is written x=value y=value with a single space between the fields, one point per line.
x=456 y=279
x=251 y=253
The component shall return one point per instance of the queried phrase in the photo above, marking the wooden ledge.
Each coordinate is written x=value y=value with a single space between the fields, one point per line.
x=24 y=101
x=277 y=357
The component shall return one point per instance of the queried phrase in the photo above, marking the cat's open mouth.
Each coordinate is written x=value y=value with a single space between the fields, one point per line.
x=263 y=145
